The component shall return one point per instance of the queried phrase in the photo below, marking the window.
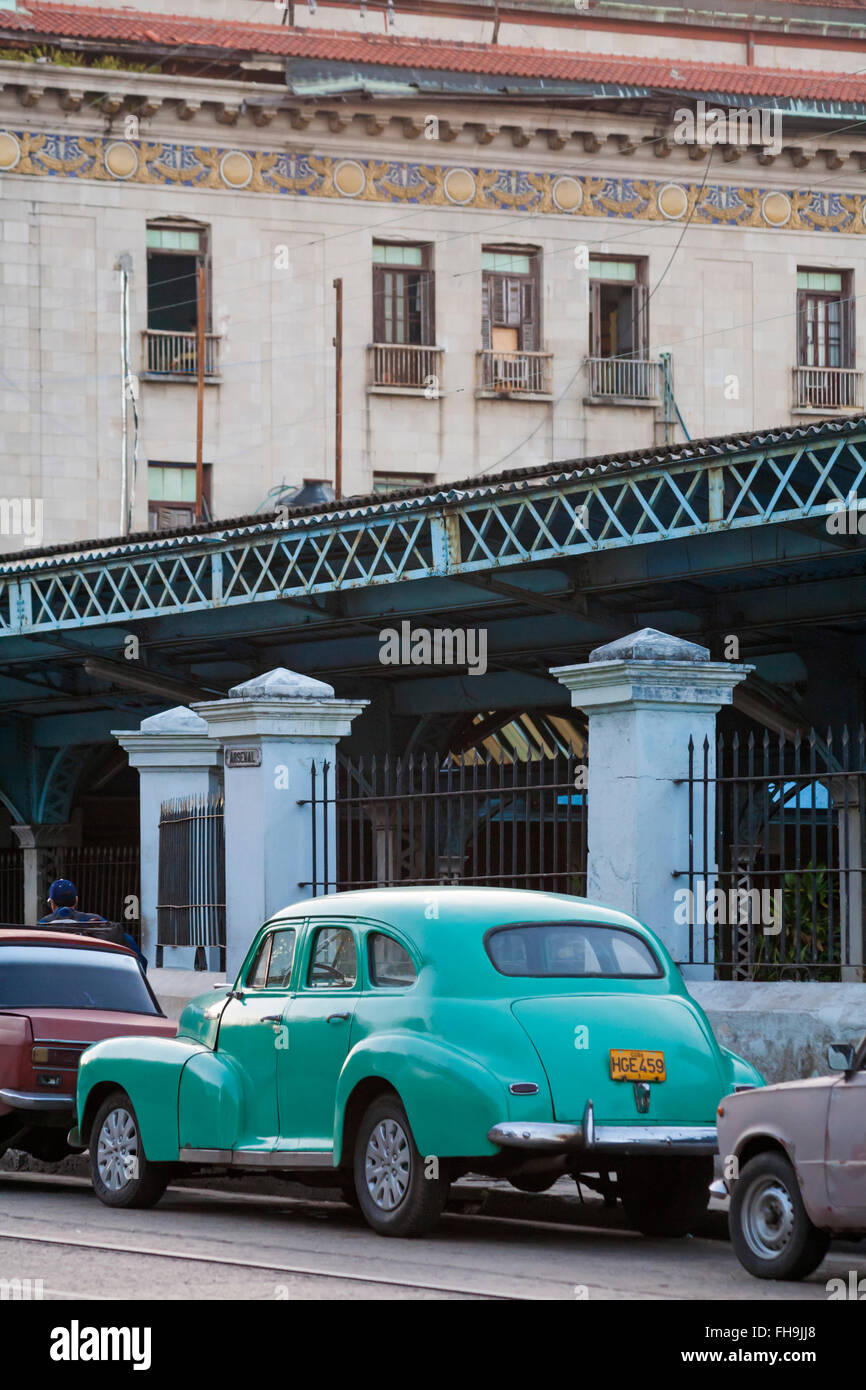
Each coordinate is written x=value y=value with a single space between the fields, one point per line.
x=272 y=967
x=402 y=295
x=71 y=977
x=333 y=961
x=825 y=318
x=385 y=483
x=509 y=300
x=171 y=495
x=174 y=254
x=175 y=251
x=390 y=963
x=617 y=308
x=576 y=950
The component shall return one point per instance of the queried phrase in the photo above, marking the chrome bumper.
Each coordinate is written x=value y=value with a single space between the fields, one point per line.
x=590 y=1138
x=36 y=1100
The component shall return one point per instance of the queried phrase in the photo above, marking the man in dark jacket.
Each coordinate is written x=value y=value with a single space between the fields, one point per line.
x=63 y=901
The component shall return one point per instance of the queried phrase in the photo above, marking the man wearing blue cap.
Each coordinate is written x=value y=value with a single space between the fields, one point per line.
x=63 y=901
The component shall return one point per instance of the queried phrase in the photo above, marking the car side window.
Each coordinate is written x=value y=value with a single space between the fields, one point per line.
x=282 y=954
x=258 y=974
x=389 y=962
x=333 y=960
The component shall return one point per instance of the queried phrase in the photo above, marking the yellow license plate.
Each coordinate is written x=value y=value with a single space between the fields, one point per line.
x=634 y=1064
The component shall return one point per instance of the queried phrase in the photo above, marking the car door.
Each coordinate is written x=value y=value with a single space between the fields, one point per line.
x=846 y=1146
x=251 y=1034
x=318 y=1019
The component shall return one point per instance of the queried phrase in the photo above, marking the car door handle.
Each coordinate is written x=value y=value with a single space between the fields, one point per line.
x=271 y=1018
x=338 y=1018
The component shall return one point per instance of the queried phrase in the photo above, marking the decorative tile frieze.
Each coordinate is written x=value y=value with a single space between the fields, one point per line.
x=419 y=183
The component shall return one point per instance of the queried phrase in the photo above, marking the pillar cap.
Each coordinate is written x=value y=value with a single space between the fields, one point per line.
x=282 y=684
x=179 y=720
x=650 y=645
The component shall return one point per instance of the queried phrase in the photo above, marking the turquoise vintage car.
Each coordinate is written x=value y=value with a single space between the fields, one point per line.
x=389 y=1041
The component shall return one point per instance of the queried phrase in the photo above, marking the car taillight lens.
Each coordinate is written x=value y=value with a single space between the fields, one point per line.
x=64 y=1057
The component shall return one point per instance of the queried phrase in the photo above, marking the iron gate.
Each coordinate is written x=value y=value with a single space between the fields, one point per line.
x=489 y=821
x=779 y=895
x=191 y=906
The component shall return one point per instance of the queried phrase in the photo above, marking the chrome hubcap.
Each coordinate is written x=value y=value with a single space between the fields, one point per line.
x=768 y=1218
x=387 y=1164
x=117 y=1150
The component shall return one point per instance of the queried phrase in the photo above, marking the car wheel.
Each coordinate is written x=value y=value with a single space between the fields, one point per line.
x=667 y=1197
x=121 y=1173
x=771 y=1233
x=394 y=1195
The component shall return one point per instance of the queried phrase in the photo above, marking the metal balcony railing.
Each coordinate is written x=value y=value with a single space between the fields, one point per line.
x=828 y=388
x=625 y=378
x=175 y=354
x=405 y=364
x=515 y=373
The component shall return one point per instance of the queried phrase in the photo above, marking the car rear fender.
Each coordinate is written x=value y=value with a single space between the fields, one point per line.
x=149 y=1071
x=450 y=1097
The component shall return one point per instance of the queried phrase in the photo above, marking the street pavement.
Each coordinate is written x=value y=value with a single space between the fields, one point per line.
x=206 y=1244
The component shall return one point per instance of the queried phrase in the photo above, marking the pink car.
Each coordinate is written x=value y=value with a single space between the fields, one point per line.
x=798 y=1151
x=60 y=991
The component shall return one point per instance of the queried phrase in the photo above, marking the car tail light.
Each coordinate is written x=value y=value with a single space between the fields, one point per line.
x=56 y=1055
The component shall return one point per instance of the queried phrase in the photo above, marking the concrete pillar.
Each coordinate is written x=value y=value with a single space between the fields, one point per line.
x=846 y=801
x=175 y=758
x=42 y=847
x=645 y=695
x=272 y=729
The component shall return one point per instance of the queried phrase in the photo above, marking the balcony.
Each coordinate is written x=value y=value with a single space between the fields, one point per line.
x=175 y=355
x=408 y=368
x=625 y=379
x=514 y=373
x=828 y=388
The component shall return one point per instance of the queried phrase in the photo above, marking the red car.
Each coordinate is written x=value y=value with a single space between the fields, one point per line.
x=60 y=991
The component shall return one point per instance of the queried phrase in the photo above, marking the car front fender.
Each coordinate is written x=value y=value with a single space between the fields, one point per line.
x=149 y=1071
x=451 y=1099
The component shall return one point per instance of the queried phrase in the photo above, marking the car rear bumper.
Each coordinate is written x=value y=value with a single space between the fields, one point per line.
x=37 y=1100
x=591 y=1138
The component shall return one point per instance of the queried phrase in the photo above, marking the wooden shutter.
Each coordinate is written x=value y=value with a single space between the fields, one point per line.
x=848 y=347
x=428 y=324
x=802 y=330
x=529 y=325
x=513 y=306
x=378 y=304
x=595 y=318
x=485 y=312
x=640 y=316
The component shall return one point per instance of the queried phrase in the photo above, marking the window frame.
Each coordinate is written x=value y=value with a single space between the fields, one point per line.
x=427 y=310
x=506 y=307
x=847 y=338
x=314 y=927
x=202 y=257
x=640 y=307
x=153 y=504
x=368 y=954
x=659 y=974
x=267 y=941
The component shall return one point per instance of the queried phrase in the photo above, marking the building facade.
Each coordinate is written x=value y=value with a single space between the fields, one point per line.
x=548 y=246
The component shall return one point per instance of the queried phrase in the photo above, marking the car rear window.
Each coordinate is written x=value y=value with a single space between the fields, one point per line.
x=579 y=950
x=71 y=977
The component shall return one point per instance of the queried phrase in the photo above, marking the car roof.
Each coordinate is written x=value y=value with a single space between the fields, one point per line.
x=34 y=936
x=403 y=907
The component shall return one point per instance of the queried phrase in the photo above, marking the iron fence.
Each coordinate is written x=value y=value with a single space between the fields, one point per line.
x=11 y=885
x=108 y=879
x=487 y=821
x=779 y=893
x=191 y=906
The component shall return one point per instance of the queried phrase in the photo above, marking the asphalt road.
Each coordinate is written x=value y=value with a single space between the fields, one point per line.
x=213 y=1245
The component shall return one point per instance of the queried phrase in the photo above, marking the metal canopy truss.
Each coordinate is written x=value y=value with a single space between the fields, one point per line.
x=702 y=487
